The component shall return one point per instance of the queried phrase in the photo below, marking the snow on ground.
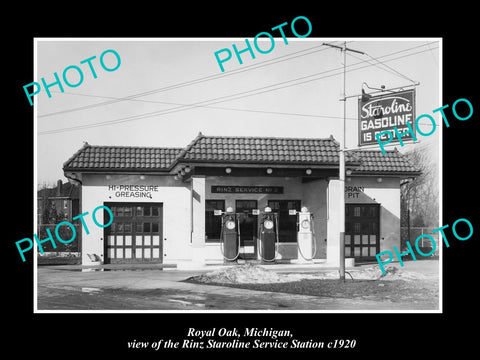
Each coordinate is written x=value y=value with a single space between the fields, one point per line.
x=254 y=274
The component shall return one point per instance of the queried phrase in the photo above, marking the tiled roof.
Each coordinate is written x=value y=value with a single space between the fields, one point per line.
x=121 y=158
x=375 y=162
x=223 y=149
x=261 y=150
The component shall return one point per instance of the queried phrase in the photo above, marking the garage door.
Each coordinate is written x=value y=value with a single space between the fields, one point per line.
x=362 y=230
x=136 y=233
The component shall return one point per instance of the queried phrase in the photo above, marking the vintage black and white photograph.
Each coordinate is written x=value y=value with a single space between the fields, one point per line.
x=263 y=174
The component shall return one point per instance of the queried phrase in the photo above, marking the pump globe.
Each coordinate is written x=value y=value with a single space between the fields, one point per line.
x=268 y=209
x=304 y=209
x=268 y=224
x=229 y=209
x=305 y=224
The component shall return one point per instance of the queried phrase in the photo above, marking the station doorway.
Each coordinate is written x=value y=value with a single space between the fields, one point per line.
x=248 y=228
x=362 y=231
x=135 y=235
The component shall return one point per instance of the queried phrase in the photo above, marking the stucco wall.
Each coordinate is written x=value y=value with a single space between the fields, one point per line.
x=368 y=190
x=174 y=195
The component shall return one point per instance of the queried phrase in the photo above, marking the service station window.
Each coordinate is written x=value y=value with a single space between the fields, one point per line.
x=213 y=223
x=287 y=223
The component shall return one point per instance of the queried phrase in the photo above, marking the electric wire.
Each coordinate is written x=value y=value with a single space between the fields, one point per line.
x=231 y=97
x=217 y=107
x=208 y=78
x=195 y=81
x=389 y=67
x=384 y=69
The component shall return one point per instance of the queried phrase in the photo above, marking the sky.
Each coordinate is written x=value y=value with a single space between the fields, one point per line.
x=293 y=91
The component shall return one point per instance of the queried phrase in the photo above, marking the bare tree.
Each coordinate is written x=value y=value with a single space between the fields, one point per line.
x=419 y=196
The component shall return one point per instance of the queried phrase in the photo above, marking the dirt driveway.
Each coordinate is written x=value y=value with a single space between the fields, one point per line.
x=156 y=290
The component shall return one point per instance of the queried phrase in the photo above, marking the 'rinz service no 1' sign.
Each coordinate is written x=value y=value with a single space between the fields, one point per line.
x=384 y=112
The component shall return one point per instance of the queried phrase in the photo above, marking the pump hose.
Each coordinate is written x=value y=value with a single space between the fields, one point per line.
x=314 y=244
x=222 y=245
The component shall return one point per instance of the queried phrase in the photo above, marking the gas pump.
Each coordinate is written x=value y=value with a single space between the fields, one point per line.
x=229 y=235
x=268 y=235
x=306 y=243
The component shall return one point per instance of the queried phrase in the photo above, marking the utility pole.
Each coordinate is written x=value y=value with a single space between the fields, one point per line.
x=341 y=174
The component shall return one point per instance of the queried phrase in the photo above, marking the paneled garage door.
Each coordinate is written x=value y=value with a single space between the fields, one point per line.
x=136 y=233
x=362 y=231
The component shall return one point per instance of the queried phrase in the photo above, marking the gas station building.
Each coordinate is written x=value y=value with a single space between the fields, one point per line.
x=163 y=200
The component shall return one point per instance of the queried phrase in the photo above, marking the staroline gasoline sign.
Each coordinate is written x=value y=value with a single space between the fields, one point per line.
x=385 y=112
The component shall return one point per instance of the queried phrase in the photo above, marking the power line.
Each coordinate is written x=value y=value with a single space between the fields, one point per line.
x=389 y=67
x=381 y=68
x=195 y=81
x=230 y=108
x=219 y=99
x=215 y=107
x=207 y=78
x=215 y=101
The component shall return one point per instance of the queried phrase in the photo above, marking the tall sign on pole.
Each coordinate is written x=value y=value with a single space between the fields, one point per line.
x=384 y=112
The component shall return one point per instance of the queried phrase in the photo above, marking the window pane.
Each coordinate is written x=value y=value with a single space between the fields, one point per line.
x=154 y=210
x=128 y=227
x=364 y=239
x=139 y=228
x=348 y=251
x=155 y=227
x=146 y=240
x=356 y=211
x=347 y=239
x=139 y=211
x=146 y=211
x=212 y=222
x=128 y=211
x=120 y=227
x=119 y=211
x=357 y=227
x=146 y=227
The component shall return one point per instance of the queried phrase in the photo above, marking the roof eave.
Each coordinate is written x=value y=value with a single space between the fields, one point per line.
x=401 y=174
